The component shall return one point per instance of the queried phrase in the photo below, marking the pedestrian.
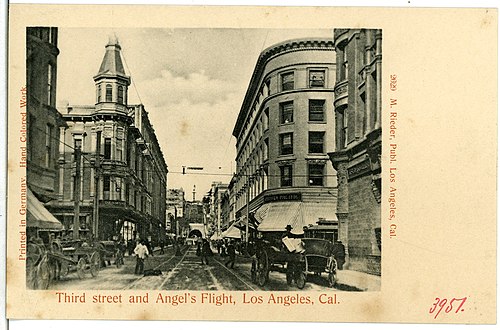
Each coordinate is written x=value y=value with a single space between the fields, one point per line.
x=205 y=251
x=339 y=254
x=149 y=246
x=231 y=252
x=141 y=252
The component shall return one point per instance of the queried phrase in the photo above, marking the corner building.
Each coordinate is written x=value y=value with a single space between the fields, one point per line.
x=284 y=130
x=358 y=145
x=131 y=169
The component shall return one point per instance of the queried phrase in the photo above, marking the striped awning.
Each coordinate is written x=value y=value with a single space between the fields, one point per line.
x=276 y=216
x=38 y=216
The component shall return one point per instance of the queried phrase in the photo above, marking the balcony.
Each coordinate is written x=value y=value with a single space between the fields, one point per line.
x=341 y=93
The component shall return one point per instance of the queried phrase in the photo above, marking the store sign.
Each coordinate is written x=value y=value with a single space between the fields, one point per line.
x=283 y=197
x=359 y=169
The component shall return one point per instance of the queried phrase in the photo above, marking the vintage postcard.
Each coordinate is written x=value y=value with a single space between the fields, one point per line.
x=311 y=164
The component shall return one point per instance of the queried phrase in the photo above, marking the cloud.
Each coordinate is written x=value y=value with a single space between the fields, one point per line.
x=196 y=87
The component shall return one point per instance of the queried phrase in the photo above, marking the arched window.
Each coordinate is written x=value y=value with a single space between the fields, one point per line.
x=99 y=93
x=109 y=93
x=120 y=94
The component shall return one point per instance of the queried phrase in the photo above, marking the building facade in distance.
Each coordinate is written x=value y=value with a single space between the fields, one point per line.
x=284 y=131
x=175 y=206
x=358 y=145
x=118 y=147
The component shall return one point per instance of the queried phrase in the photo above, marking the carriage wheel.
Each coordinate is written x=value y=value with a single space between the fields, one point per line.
x=42 y=275
x=95 y=261
x=300 y=280
x=64 y=269
x=262 y=269
x=80 y=267
x=253 y=271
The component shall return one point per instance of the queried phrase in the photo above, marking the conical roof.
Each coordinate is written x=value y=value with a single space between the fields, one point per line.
x=112 y=64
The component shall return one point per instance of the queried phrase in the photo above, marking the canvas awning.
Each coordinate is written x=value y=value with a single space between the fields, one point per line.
x=232 y=232
x=38 y=216
x=276 y=216
x=215 y=237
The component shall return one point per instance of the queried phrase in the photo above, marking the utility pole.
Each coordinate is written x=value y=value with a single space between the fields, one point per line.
x=97 y=166
x=76 y=193
x=248 y=213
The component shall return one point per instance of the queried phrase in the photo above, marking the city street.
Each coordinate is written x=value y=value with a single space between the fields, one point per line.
x=185 y=272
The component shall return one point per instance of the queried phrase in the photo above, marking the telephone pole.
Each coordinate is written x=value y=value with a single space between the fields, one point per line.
x=97 y=165
x=76 y=193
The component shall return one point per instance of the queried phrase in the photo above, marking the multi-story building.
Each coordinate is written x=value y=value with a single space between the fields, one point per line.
x=175 y=206
x=123 y=171
x=43 y=119
x=218 y=194
x=284 y=130
x=40 y=126
x=358 y=144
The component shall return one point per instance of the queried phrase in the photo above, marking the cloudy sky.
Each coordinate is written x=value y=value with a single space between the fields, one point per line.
x=191 y=81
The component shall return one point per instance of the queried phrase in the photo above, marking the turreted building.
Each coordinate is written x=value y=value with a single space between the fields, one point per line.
x=123 y=171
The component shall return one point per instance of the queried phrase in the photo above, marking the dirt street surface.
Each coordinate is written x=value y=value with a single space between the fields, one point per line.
x=185 y=272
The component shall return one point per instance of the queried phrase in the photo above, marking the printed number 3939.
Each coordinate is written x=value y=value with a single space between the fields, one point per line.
x=451 y=305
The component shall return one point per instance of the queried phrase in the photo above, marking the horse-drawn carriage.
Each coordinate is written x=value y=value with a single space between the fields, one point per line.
x=315 y=256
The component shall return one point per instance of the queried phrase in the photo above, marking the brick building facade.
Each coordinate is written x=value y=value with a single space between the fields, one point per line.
x=358 y=145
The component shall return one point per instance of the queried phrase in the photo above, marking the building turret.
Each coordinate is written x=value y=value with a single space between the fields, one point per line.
x=111 y=81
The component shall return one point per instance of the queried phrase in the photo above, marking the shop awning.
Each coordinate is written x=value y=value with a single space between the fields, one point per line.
x=232 y=232
x=38 y=216
x=215 y=237
x=276 y=216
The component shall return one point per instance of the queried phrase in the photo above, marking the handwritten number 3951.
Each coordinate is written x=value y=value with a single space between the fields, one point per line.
x=441 y=303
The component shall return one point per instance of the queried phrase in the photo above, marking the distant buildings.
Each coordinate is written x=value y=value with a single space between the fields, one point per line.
x=130 y=174
x=284 y=130
x=175 y=207
x=358 y=145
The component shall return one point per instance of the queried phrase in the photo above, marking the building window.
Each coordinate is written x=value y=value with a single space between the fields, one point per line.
x=266 y=149
x=287 y=81
x=106 y=187
x=268 y=87
x=265 y=120
x=316 y=174
x=286 y=144
x=107 y=148
x=316 y=110
x=48 y=145
x=99 y=93
x=344 y=128
x=119 y=149
x=316 y=142
x=345 y=65
x=49 y=84
x=317 y=78
x=120 y=95
x=286 y=112
x=109 y=93
x=286 y=175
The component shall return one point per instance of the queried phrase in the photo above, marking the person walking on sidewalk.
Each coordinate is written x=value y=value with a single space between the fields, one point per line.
x=231 y=251
x=141 y=252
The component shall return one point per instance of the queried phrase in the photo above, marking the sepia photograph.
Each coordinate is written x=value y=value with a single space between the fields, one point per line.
x=251 y=164
x=150 y=165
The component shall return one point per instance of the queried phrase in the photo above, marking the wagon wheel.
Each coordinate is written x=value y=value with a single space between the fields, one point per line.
x=80 y=267
x=262 y=269
x=64 y=269
x=42 y=279
x=332 y=273
x=300 y=279
x=253 y=271
x=95 y=261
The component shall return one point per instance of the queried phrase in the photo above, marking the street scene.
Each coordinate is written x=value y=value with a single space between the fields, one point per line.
x=203 y=159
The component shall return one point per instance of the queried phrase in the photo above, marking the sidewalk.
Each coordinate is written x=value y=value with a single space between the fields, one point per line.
x=358 y=281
